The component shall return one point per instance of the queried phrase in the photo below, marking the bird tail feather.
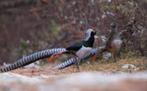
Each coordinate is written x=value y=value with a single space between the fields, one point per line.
x=31 y=59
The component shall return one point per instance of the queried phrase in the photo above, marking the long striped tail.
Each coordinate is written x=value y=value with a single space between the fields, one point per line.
x=31 y=59
x=72 y=61
x=67 y=63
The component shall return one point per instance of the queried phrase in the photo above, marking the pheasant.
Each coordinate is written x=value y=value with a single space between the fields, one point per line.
x=79 y=49
x=114 y=42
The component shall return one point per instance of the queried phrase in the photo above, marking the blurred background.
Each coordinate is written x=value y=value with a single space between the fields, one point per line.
x=27 y=26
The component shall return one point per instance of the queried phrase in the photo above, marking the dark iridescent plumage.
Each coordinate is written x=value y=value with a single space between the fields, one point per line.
x=87 y=42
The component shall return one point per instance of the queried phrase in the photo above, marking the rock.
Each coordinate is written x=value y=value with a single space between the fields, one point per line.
x=107 y=55
x=12 y=77
x=83 y=81
x=128 y=66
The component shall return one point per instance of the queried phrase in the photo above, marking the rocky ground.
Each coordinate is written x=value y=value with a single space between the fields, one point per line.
x=125 y=75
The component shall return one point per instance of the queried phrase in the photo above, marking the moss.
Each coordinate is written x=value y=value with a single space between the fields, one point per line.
x=54 y=28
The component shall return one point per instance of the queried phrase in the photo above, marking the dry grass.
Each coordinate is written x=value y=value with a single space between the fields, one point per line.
x=101 y=65
x=109 y=66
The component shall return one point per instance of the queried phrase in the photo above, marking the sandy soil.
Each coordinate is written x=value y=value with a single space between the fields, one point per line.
x=103 y=66
x=96 y=76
